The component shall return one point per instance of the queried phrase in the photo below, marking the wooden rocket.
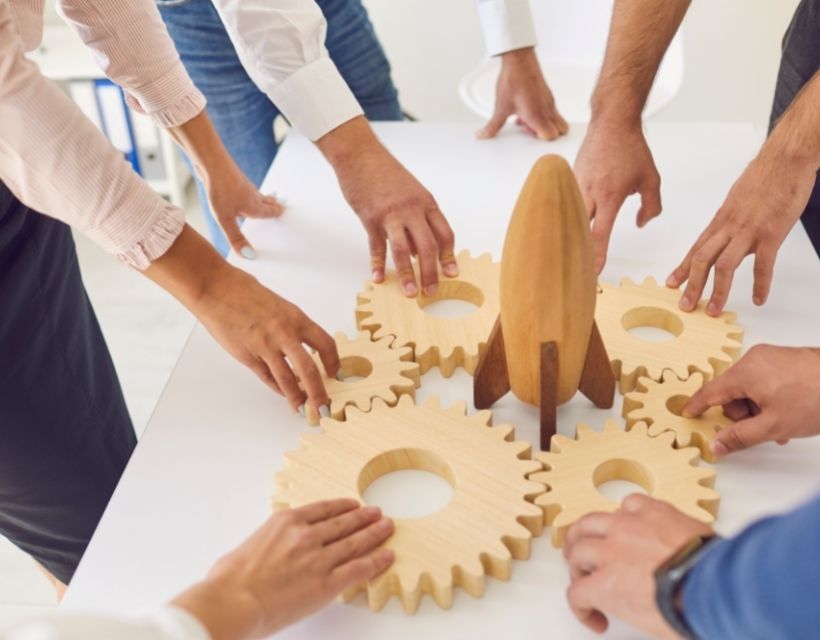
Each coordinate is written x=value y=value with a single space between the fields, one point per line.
x=545 y=345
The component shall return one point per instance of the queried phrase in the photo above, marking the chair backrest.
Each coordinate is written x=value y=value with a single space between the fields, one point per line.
x=572 y=38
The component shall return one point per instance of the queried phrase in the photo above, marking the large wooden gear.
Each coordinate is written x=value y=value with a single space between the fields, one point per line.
x=384 y=310
x=488 y=521
x=369 y=369
x=659 y=404
x=701 y=343
x=576 y=468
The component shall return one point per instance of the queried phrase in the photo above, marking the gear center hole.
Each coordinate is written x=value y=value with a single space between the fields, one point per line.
x=354 y=368
x=407 y=483
x=652 y=324
x=454 y=299
x=617 y=479
x=675 y=404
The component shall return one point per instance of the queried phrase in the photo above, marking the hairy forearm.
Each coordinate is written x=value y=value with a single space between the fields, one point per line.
x=639 y=36
x=346 y=140
x=795 y=139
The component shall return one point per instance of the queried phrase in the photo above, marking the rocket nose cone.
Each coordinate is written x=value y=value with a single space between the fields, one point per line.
x=551 y=167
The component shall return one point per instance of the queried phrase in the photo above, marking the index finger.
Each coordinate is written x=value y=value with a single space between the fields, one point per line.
x=326 y=509
x=310 y=377
x=602 y=225
x=720 y=391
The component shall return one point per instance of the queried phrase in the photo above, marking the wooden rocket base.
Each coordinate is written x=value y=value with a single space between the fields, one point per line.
x=492 y=379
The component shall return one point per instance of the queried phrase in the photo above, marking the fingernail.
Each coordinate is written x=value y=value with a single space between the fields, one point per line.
x=719 y=449
x=372 y=511
x=671 y=282
x=248 y=253
x=712 y=309
x=430 y=289
x=387 y=555
x=324 y=411
x=301 y=410
x=451 y=269
x=684 y=303
x=340 y=376
x=480 y=134
x=757 y=300
x=410 y=288
x=378 y=275
x=385 y=524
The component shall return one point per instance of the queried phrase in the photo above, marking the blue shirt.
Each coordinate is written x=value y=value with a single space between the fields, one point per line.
x=764 y=583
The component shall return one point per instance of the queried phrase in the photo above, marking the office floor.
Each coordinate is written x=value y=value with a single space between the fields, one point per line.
x=145 y=330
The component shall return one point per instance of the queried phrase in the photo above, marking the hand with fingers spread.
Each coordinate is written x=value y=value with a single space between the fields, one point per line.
x=294 y=565
x=393 y=206
x=771 y=393
x=760 y=210
x=613 y=558
x=233 y=197
x=614 y=162
x=522 y=91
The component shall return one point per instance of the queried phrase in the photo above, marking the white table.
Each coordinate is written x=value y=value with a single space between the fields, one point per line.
x=201 y=478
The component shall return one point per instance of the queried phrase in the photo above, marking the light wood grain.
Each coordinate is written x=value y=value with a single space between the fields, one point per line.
x=699 y=343
x=447 y=343
x=659 y=404
x=488 y=521
x=575 y=468
x=370 y=369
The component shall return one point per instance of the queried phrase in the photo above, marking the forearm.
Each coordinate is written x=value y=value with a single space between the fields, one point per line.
x=760 y=584
x=795 y=140
x=639 y=35
x=348 y=141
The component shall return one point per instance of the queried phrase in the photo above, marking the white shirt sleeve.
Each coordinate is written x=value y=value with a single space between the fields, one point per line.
x=281 y=44
x=507 y=25
x=170 y=623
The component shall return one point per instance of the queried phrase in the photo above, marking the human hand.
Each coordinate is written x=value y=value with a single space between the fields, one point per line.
x=771 y=393
x=522 y=91
x=393 y=206
x=614 y=162
x=233 y=197
x=613 y=558
x=294 y=565
x=761 y=208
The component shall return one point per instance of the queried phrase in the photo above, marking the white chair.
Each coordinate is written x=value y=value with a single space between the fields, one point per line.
x=572 y=39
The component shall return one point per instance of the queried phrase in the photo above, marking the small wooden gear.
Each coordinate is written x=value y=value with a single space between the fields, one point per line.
x=576 y=468
x=701 y=343
x=370 y=369
x=384 y=310
x=488 y=521
x=659 y=405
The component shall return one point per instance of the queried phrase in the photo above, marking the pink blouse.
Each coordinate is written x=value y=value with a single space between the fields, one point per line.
x=55 y=160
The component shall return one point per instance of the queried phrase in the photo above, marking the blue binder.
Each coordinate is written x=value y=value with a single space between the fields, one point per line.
x=116 y=120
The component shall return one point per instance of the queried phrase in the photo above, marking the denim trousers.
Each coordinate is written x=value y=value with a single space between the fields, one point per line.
x=800 y=61
x=242 y=114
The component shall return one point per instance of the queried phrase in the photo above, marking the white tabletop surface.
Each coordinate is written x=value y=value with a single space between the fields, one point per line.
x=201 y=478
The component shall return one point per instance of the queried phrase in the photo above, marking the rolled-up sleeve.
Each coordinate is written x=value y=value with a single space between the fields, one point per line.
x=133 y=48
x=281 y=44
x=57 y=162
x=507 y=25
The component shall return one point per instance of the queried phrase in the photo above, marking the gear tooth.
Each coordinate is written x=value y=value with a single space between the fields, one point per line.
x=433 y=403
x=628 y=283
x=485 y=417
x=559 y=443
x=640 y=428
x=650 y=281
x=504 y=432
x=583 y=431
x=458 y=409
x=611 y=426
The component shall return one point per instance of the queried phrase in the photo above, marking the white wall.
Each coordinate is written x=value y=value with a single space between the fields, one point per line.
x=732 y=54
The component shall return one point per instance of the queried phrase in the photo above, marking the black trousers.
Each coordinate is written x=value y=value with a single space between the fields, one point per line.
x=65 y=434
x=800 y=61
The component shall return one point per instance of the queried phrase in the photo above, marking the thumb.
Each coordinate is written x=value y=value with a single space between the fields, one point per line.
x=650 y=202
x=494 y=125
x=238 y=242
x=742 y=435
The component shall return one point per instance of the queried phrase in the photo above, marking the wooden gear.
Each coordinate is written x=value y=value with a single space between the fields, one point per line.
x=575 y=468
x=447 y=343
x=488 y=521
x=701 y=344
x=384 y=372
x=659 y=405
x=545 y=345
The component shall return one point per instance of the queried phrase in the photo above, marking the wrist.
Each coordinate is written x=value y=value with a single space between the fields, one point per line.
x=784 y=151
x=348 y=141
x=226 y=612
x=612 y=115
x=523 y=56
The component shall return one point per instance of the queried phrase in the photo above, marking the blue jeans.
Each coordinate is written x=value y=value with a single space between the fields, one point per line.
x=242 y=114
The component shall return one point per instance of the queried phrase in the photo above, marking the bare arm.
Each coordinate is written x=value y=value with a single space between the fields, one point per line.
x=614 y=160
x=760 y=210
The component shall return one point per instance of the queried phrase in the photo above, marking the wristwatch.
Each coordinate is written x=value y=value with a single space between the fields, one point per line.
x=669 y=578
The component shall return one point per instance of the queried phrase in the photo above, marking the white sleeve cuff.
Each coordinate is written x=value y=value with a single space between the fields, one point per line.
x=316 y=99
x=175 y=623
x=507 y=25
